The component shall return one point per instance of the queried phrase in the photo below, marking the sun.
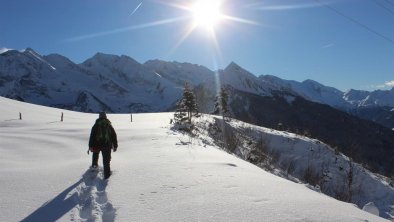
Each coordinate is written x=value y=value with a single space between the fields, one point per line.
x=206 y=13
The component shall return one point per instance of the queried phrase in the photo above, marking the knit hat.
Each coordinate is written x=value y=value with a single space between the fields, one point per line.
x=102 y=115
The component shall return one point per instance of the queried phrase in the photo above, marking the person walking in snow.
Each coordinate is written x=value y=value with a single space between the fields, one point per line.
x=103 y=138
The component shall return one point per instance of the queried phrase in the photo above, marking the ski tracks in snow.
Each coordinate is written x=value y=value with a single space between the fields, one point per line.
x=92 y=200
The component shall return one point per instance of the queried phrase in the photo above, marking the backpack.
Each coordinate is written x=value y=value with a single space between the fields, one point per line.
x=103 y=133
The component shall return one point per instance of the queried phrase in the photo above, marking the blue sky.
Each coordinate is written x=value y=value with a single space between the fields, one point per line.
x=341 y=43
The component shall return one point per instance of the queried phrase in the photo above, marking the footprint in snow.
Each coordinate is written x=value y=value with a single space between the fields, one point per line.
x=92 y=201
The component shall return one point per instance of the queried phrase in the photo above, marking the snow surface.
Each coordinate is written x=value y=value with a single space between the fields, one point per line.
x=158 y=175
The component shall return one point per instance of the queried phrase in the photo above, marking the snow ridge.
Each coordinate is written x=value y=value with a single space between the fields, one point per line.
x=35 y=55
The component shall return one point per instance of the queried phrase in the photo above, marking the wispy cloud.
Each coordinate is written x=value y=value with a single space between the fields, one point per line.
x=265 y=6
x=328 y=46
x=125 y=29
x=389 y=83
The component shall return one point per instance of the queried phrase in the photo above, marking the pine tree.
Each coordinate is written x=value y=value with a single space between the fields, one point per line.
x=186 y=106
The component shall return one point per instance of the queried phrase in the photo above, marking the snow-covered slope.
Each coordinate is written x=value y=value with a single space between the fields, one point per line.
x=243 y=80
x=158 y=175
x=235 y=77
x=124 y=76
x=179 y=73
x=310 y=90
x=22 y=75
x=303 y=159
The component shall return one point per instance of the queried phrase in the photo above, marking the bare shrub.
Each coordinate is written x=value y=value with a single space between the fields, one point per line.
x=290 y=166
x=311 y=176
x=275 y=156
x=341 y=194
x=230 y=139
x=262 y=145
x=257 y=157
x=225 y=136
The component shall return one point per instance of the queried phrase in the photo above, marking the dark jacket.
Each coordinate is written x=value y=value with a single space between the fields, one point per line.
x=97 y=142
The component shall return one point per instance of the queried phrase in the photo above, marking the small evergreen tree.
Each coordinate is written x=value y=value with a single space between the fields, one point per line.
x=221 y=104
x=180 y=112
x=186 y=106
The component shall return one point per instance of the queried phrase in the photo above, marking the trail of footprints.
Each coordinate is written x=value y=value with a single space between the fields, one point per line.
x=92 y=200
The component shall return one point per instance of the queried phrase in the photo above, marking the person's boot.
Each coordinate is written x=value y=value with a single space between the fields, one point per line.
x=107 y=175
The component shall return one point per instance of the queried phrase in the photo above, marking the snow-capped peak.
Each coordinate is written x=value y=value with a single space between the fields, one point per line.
x=110 y=60
x=29 y=50
x=234 y=67
x=3 y=50
x=57 y=60
x=243 y=80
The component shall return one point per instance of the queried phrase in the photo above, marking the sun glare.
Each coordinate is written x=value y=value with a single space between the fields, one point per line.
x=206 y=13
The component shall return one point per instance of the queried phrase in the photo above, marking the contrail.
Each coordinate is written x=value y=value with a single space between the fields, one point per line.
x=135 y=10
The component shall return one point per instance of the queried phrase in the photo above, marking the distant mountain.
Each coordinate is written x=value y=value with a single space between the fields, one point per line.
x=370 y=99
x=372 y=106
x=55 y=77
x=311 y=90
x=103 y=82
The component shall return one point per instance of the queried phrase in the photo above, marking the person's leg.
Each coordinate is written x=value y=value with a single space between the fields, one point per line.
x=106 y=163
x=95 y=158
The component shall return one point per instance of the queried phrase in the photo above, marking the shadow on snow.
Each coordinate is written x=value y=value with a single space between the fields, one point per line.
x=75 y=197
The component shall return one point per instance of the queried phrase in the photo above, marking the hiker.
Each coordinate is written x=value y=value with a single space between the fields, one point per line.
x=102 y=138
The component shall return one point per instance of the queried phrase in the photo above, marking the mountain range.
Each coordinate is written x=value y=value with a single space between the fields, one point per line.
x=119 y=84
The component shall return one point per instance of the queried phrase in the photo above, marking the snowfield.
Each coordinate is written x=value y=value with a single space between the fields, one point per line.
x=158 y=175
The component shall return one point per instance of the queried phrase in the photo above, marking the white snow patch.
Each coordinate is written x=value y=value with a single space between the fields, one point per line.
x=371 y=208
x=289 y=99
x=41 y=59
x=158 y=75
